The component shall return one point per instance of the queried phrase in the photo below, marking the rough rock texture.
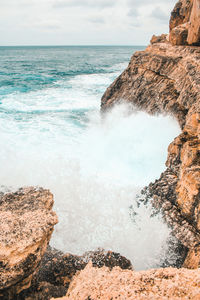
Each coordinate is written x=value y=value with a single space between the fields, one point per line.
x=166 y=79
x=159 y=38
x=57 y=270
x=185 y=23
x=160 y=284
x=180 y=14
x=27 y=222
x=179 y=35
x=194 y=28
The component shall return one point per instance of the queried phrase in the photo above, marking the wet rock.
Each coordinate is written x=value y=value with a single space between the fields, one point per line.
x=27 y=222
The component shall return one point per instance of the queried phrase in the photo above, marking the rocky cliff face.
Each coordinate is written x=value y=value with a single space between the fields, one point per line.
x=185 y=23
x=166 y=79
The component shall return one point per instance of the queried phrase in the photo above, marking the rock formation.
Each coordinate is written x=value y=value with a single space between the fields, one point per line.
x=194 y=28
x=166 y=79
x=27 y=222
x=185 y=23
x=159 y=284
x=57 y=270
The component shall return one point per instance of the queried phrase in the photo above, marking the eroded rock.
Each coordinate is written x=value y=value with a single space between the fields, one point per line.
x=57 y=270
x=185 y=23
x=159 y=38
x=194 y=28
x=169 y=283
x=27 y=222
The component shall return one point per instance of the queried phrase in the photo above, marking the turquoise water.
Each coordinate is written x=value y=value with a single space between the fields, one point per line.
x=62 y=82
x=52 y=135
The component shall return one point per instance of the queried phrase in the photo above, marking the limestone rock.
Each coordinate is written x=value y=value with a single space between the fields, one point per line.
x=57 y=270
x=166 y=79
x=179 y=35
x=185 y=23
x=181 y=13
x=27 y=222
x=159 y=39
x=160 y=284
x=194 y=28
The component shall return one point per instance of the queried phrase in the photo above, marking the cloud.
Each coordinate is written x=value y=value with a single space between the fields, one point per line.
x=83 y=21
x=96 y=20
x=159 y=14
x=84 y=3
x=133 y=13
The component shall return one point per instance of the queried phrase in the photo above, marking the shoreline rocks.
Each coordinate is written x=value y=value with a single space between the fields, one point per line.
x=165 y=78
x=57 y=270
x=158 y=284
x=27 y=222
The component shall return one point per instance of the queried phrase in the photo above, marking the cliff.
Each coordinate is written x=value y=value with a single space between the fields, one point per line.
x=165 y=78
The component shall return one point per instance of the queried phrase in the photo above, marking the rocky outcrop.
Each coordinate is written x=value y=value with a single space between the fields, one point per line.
x=57 y=270
x=27 y=222
x=163 y=38
x=185 y=23
x=194 y=28
x=159 y=284
x=166 y=79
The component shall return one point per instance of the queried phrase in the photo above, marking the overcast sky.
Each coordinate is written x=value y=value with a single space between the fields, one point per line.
x=82 y=22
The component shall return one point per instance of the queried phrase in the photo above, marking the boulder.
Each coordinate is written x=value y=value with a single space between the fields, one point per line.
x=159 y=39
x=27 y=222
x=179 y=34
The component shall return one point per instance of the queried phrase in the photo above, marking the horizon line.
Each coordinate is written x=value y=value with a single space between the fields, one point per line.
x=76 y=45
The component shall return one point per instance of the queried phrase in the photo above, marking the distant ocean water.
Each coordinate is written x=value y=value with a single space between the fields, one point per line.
x=52 y=135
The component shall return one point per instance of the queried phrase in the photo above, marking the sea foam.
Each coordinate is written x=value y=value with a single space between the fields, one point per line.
x=95 y=176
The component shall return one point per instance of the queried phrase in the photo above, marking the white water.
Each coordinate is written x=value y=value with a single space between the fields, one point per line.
x=94 y=175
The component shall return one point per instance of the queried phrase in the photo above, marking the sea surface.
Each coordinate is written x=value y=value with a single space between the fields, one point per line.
x=53 y=135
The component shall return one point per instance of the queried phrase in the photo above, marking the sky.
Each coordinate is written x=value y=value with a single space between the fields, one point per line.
x=82 y=22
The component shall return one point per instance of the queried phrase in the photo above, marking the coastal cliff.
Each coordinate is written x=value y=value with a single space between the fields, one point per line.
x=165 y=78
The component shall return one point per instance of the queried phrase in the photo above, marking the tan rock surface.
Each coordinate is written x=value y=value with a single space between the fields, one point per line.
x=179 y=34
x=160 y=284
x=185 y=23
x=27 y=222
x=159 y=38
x=194 y=28
x=181 y=13
x=57 y=270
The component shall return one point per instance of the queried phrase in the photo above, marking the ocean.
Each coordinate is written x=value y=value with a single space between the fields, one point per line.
x=54 y=136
